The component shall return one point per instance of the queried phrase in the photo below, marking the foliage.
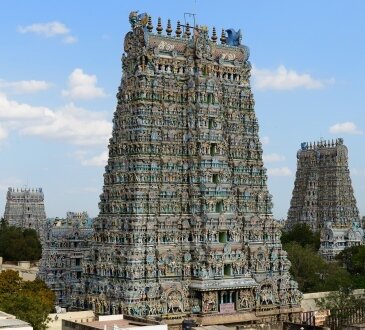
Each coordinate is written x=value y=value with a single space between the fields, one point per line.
x=302 y=234
x=17 y=244
x=28 y=301
x=343 y=298
x=353 y=259
x=312 y=272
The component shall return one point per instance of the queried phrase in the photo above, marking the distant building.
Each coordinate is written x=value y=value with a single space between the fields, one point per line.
x=26 y=270
x=113 y=322
x=323 y=196
x=25 y=208
x=65 y=243
x=10 y=322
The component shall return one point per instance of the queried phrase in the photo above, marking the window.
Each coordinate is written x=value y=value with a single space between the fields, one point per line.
x=227 y=270
x=219 y=207
x=223 y=237
x=213 y=149
x=215 y=178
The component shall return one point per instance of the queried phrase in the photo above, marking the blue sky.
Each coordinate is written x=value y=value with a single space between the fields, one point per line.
x=60 y=70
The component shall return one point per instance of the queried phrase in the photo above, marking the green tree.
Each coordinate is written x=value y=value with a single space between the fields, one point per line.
x=28 y=301
x=312 y=272
x=18 y=244
x=302 y=234
x=353 y=260
x=341 y=299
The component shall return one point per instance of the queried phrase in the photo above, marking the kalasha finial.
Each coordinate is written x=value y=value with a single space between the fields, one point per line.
x=169 y=29
x=159 y=28
x=223 y=37
x=178 y=30
x=214 y=35
x=187 y=31
x=149 y=24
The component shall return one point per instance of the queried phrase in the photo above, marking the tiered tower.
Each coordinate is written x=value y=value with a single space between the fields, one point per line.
x=25 y=208
x=65 y=245
x=323 y=196
x=185 y=223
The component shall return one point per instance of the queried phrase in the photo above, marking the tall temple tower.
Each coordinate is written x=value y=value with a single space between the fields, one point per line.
x=66 y=242
x=323 y=196
x=25 y=208
x=185 y=224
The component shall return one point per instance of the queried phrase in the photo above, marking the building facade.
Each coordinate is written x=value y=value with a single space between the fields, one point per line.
x=25 y=208
x=185 y=223
x=323 y=196
x=66 y=242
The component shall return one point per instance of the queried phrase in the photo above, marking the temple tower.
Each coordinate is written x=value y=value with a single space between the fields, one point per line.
x=65 y=246
x=25 y=208
x=323 y=196
x=185 y=223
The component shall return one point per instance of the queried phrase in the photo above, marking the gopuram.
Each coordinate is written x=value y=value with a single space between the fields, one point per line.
x=185 y=224
x=64 y=247
x=25 y=208
x=323 y=196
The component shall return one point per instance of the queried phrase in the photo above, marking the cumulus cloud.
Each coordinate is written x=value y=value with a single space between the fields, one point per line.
x=48 y=30
x=280 y=171
x=265 y=140
x=99 y=160
x=25 y=86
x=70 y=123
x=83 y=86
x=272 y=158
x=357 y=172
x=347 y=127
x=284 y=79
x=70 y=40
x=3 y=133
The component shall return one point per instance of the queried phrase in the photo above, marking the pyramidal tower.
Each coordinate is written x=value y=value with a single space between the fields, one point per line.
x=25 y=209
x=323 y=196
x=185 y=224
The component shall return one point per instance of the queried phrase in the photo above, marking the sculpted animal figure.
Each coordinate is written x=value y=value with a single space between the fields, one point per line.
x=234 y=38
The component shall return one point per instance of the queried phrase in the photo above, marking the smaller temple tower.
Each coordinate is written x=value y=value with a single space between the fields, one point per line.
x=65 y=244
x=323 y=196
x=25 y=208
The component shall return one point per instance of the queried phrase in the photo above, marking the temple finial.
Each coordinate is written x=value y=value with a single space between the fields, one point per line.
x=178 y=30
x=223 y=37
x=149 y=24
x=214 y=35
x=187 y=31
x=159 y=28
x=168 y=28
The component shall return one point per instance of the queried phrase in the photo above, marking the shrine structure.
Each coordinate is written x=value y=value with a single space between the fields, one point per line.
x=185 y=224
x=323 y=197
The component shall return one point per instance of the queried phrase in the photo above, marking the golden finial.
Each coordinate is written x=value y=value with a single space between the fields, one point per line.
x=214 y=35
x=168 y=29
x=223 y=37
x=149 y=25
x=159 y=28
x=187 y=31
x=178 y=30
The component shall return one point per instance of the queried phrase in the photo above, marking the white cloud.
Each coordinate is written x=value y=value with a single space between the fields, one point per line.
x=284 y=79
x=70 y=40
x=70 y=123
x=9 y=182
x=345 y=128
x=280 y=171
x=272 y=158
x=265 y=140
x=48 y=30
x=3 y=133
x=83 y=86
x=25 y=86
x=357 y=172
x=99 y=160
